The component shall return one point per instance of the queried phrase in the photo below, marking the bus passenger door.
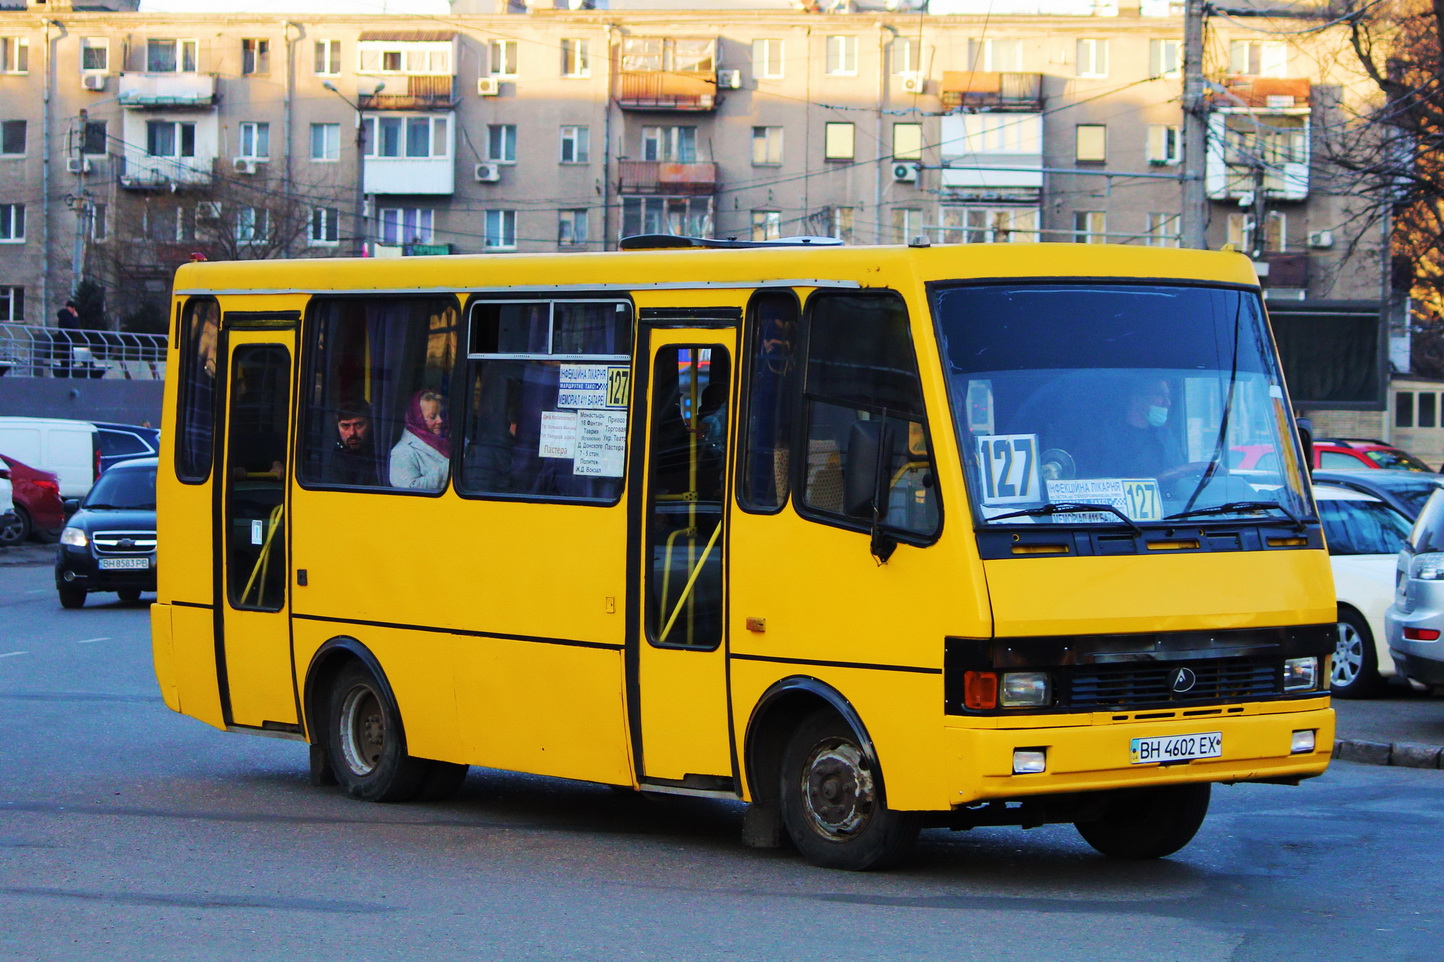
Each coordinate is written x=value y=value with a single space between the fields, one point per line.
x=682 y=730
x=257 y=688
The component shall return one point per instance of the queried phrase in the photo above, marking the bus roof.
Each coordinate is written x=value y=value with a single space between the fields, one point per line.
x=853 y=267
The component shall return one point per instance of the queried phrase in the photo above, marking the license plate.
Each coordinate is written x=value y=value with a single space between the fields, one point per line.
x=1176 y=748
x=112 y=563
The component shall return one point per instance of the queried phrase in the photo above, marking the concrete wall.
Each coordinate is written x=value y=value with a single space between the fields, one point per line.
x=128 y=402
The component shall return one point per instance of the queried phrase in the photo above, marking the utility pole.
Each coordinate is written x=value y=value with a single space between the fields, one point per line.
x=1194 y=221
x=80 y=202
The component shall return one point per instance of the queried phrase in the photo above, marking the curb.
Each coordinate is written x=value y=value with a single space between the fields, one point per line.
x=1398 y=754
x=22 y=555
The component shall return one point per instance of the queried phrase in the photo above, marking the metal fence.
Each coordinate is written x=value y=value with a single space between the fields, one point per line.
x=27 y=350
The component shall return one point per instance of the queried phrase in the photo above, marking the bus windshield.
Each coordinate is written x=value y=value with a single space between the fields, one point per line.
x=1097 y=403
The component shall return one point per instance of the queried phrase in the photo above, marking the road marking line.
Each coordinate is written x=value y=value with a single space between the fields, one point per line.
x=91 y=641
x=12 y=654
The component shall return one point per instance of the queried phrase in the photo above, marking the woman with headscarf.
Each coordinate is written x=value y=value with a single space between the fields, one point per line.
x=422 y=458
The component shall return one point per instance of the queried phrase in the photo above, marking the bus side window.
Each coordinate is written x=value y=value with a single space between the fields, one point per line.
x=771 y=387
x=861 y=370
x=199 y=333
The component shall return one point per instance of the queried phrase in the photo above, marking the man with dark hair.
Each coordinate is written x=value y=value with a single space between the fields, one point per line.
x=352 y=459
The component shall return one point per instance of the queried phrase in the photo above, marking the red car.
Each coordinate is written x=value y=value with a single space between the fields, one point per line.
x=38 y=509
x=1332 y=453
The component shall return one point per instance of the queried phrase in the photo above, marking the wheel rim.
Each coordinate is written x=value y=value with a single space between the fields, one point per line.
x=1348 y=656
x=838 y=795
x=363 y=730
x=14 y=532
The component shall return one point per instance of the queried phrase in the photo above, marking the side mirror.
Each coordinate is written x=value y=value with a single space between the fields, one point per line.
x=864 y=477
x=71 y=505
x=1306 y=438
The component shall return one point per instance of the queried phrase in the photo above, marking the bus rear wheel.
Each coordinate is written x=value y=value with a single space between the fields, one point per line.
x=1143 y=823
x=831 y=800
x=364 y=739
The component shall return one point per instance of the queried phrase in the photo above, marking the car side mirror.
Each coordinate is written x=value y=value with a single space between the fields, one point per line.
x=71 y=506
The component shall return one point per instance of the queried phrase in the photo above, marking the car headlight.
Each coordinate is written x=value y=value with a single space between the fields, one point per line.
x=1301 y=674
x=1025 y=689
x=1428 y=566
x=75 y=537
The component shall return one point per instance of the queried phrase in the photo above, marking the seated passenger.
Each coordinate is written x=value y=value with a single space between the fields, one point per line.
x=352 y=459
x=422 y=458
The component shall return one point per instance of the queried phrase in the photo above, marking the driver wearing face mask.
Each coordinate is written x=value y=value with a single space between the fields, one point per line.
x=1146 y=439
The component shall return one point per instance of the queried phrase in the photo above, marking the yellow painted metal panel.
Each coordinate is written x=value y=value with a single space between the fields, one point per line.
x=193 y=640
x=258 y=668
x=163 y=655
x=684 y=713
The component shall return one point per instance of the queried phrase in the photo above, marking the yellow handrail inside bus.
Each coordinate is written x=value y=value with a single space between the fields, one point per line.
x=692 y=580
x=263 y=560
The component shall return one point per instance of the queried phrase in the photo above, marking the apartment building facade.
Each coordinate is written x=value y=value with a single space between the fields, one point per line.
x=133 y=141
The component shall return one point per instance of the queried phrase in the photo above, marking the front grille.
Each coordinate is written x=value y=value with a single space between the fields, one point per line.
x=123 y=542
x=1143 y=684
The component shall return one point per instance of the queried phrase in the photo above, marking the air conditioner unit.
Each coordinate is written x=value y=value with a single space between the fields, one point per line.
x=1321 y=238
x=93 y=81
x=77 y=165
x=208 y=210
x=912 y=82
x=729 y=80
x=244 y=165
x=488 y=86
x=905 y=173
x=488 y=173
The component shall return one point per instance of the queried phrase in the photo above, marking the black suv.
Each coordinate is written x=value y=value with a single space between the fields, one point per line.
x=108 y=543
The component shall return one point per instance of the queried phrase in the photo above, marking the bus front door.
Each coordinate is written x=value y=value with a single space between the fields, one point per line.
x=680 y=706
x=257 y=687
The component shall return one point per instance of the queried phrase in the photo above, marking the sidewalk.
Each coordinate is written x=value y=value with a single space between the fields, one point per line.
x=28 y=553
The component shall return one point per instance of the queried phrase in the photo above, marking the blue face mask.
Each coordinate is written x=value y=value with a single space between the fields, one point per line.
x=1157 y=416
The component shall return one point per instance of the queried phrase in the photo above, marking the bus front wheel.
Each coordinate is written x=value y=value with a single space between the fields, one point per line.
x=364 y=738
x=832 y=801
x=1142 y=823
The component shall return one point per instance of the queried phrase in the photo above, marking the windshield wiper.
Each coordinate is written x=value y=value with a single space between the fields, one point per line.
x=1234 y=506
x=1068 y=507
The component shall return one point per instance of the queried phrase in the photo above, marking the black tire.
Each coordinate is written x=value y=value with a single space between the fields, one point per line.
x=1143 y=823
x=71 y=596
x=131 y=595
x=366 y=741
x=1355 y=671
x=18 y=529
x=832 y=802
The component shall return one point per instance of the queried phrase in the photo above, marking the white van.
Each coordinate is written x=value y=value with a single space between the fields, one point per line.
x=69 y=448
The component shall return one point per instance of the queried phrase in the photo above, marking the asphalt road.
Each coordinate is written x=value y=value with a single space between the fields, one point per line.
x=128 y=832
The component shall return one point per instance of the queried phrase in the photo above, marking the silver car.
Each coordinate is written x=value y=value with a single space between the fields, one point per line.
x=1414 y=623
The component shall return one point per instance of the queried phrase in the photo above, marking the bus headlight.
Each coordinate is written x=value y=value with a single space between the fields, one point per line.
x=1026 y=689
x=1301 y=674
x=75 y=537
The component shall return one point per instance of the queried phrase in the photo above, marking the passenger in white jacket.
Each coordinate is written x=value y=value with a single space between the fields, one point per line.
x=422 y=458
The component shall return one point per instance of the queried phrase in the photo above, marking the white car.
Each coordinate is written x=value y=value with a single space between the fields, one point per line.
x=1364 y=535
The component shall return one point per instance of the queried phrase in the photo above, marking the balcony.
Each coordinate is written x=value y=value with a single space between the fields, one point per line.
x=1262 y=94
x=138 y=171
x=989 y=90
x=993 y=155
x=667 y=73
x=418 y=92
x=662 y=177
x=167 y=91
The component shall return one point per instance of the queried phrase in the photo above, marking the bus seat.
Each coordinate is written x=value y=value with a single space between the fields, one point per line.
x=824 y=476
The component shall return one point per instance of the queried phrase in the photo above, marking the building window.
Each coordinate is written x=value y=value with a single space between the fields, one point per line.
x=1092 y=145
x=1090 y=227
x=840 y=142
x=1258 y=58
x=253 y=225
x=405 y=225
x=325 y=226
x=170 y=138
x=501 y=143
x=766 y=146
x=907 y=141
x=1427 y=404
x=676 y=145
x=1165 y=58
x=907 y=223
x=94 y=54
x=842 y=56
x=170 y=56
x=328 y=57
x=99 y=222
x=255 y=58
x=767 y=63
x=12 y=137
x=905 y=55
x=425 y=137
x=576 y=145
x=766 y=225
x=416 y=58
x=501 y=58
x=1165 y=144
x=1092 y=58
x=12 y=303
x=500 y=230
x=255 y=141
x=326 y=142
x=1162 y=229
x=571 y=228
x=1403 y=409
x=1243 y=234
x=686 y=216
x=989 y=225
x=995 y=55
x=575 y=62
x=96 y=139
x=14 y=55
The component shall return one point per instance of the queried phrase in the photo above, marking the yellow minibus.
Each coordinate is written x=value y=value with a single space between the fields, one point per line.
x=871 y=539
